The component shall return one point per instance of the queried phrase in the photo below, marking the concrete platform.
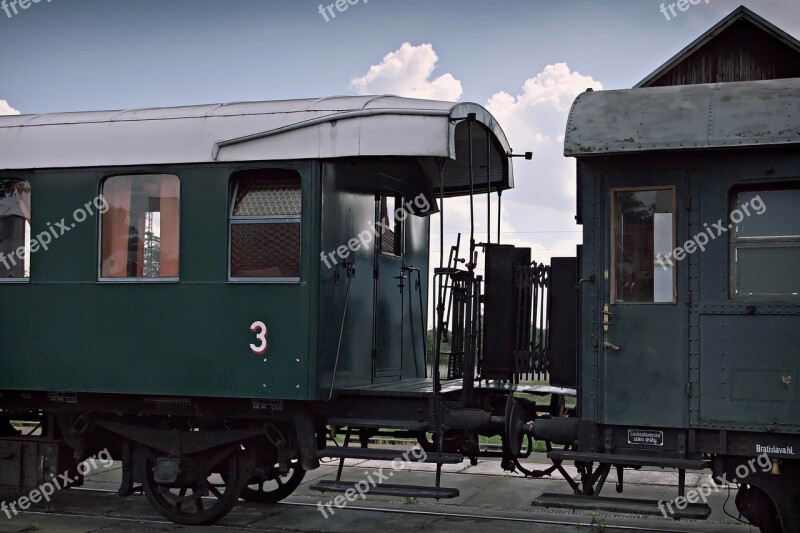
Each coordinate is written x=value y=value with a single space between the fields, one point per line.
x=490 y=498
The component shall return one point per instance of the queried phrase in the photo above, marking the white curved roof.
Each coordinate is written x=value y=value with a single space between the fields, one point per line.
x=718 y=115
x=332 y=127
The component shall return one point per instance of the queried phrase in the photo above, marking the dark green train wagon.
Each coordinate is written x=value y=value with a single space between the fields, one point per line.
x=689 y=197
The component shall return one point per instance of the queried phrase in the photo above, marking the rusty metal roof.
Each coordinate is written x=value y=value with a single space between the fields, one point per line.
x=758 y=113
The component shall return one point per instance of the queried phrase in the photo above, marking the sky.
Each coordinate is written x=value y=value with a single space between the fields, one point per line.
x=525 y=60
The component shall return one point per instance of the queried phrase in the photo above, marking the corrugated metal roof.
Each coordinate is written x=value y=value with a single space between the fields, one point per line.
x=719 y=115
x=341 y=126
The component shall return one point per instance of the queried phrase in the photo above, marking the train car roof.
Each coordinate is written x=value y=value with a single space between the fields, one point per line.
x=333 y=127
x=721 y=115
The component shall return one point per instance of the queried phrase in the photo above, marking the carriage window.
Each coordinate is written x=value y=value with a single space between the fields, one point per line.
x=391 y=227
x=265 y=225
x=643 y=234
x=140 y=232
x=15 y=230
x=766 y=244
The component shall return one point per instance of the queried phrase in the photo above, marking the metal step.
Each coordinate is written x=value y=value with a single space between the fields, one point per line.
x=695 y=511
x=410 y=425
x=384 y=489
x=627 y=460
x=382 y=454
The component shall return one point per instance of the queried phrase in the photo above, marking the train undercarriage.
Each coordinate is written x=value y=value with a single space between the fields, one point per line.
x=194 y=458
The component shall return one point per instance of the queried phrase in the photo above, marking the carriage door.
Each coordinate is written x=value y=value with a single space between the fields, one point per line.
x=388 y=326
x=642 y=339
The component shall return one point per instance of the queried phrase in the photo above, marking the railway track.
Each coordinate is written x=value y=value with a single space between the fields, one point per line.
x=300 y=513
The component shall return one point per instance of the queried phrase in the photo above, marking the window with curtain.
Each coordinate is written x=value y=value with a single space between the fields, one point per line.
x=766 y=243
x=265 y=218
x=140 y=232
x=15 y=229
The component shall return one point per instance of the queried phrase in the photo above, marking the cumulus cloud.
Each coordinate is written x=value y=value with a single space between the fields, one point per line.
x=535 y=120
x=539 y=212
x=6 y=109
x=407 y=72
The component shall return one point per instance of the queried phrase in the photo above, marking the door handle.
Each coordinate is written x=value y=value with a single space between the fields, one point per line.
x=609 y=345
x=606 y=317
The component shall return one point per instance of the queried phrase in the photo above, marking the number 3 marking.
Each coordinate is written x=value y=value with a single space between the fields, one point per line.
x=262 y=337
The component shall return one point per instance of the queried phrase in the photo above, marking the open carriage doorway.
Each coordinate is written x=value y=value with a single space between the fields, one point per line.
x=389 y=296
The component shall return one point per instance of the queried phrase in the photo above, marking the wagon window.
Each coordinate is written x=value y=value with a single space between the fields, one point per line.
x=15 y=230
x=140 y=231
x=643 y=234
x=391 y=227
x=265 y=226
x=766 y=244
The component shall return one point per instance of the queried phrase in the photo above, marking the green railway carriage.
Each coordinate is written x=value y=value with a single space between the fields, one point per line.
x=239 y=228
x=183 y=283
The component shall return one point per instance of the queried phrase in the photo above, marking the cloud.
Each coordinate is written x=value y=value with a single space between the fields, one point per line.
x=407 y=72
x=6 y=109
x=535 y=121
x=539 y=212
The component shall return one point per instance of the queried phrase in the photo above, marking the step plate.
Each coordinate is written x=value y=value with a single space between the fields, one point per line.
x=695 y=511
x=626 y=460
x=376 y=454
x=384 y=489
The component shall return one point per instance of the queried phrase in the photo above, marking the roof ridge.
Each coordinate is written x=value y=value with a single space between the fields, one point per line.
x=740 y=13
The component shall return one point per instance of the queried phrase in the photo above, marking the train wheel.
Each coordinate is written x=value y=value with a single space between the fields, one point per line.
x=204 y=489
x=274 y=486
x=756 y=505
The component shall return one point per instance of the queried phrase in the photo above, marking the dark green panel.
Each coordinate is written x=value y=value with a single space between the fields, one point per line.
x=192 y=337
x=155 y=339
x=55 y=198
x=204 y=202
x=749 y=369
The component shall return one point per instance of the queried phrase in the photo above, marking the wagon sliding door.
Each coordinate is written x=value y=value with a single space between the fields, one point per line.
x=642 y=322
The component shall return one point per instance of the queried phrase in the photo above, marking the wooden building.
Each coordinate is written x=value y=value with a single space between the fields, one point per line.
x=741 y=47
